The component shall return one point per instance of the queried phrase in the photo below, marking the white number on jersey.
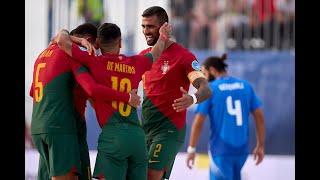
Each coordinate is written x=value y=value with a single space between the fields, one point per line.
x=236 y=111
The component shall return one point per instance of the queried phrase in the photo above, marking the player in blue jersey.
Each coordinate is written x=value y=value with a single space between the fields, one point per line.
x=228 y=108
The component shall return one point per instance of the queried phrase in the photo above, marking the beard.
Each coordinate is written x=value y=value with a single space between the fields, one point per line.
x=211 y=78
x=153 y=40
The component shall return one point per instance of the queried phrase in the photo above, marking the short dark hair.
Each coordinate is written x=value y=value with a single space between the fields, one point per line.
x=217 y=62
x=158 y=11
x=85 y=29
x=108 y=33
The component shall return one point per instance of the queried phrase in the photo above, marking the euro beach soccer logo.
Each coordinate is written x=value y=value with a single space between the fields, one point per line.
x=195 y=65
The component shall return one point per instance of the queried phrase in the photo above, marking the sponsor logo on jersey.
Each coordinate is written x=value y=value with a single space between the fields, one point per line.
x=195 y=65
x=165 y=67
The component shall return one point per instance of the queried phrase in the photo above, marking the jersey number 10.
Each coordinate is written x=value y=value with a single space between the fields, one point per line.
x=236 y=111
x=125 y=85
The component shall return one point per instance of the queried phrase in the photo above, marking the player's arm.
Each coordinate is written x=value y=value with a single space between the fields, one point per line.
x=203 y=92
x=194 y=138
x=258 y=152
x=157 y=49
x=69 y=45
x=99 y=92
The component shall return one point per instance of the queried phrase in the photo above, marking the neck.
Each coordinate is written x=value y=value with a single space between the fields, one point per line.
x=109 y=50
x=221 y=74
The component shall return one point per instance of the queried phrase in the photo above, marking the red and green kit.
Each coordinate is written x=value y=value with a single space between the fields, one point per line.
x=164 y=127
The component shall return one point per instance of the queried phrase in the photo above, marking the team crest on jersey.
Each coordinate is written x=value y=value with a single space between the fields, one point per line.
x=165 y=67
x=195 y=65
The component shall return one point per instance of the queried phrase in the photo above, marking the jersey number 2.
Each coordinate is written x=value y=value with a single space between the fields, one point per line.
x=236 y=111
x=38 y=87
x=125 y=85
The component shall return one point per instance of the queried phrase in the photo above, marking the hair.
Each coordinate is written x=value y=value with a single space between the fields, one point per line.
x=158 y=11
x=217 y=62
x=85 y=29
x=108 y=33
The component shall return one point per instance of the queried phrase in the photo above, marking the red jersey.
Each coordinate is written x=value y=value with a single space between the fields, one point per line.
x=120 y=72
x=162 y=86
x=52 y=91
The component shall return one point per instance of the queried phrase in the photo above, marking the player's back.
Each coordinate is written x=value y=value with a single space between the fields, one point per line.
x=231 y=104
x=122 y=73
x=53 y=109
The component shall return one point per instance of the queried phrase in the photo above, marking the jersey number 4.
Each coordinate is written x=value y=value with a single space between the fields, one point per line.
x=125 y=85
x=38 y=87
x=236 y=111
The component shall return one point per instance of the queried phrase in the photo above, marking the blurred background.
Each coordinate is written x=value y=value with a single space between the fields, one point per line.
x=258 y=35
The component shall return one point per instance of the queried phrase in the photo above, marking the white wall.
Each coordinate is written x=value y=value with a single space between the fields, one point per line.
x=36 y=28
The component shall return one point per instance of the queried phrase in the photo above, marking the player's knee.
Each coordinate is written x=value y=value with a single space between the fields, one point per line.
x=155 y=174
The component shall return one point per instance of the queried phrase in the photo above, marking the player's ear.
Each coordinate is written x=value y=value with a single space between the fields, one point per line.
x=212 y=70
x=120 y=43
x=97 y=43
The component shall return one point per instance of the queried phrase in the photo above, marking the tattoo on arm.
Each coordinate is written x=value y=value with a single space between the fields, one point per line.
x=204 y=91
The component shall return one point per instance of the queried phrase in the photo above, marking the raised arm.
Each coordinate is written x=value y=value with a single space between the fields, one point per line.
x=164 y=32
x=65 y=43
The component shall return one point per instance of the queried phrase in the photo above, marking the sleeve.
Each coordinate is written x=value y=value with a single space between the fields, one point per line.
x=192 y=67
x=255 y=102
x=93 y=89
x=81 y=55
x=31 y=90
x=203 y=108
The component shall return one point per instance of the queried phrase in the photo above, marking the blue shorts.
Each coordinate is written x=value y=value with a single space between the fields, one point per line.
x=226 y=167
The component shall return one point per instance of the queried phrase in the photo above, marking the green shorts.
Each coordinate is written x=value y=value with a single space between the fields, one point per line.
x=59 y=154
x=84 y=155
x=162 y=149
x=122 y=153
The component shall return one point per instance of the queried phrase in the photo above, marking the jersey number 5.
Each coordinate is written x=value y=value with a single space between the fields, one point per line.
x=38 y=87
x=125 y=85
x=236 y=111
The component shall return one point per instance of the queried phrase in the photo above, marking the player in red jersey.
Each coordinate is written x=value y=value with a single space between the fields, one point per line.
x=163 y=108
x=121 y=146
x=53 y=125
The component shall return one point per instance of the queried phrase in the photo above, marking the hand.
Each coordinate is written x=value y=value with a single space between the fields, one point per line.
x=90 y=48
x=190 y=160
x=258 y=153
x=184 y=102
x=134 y=99
x=165 y=31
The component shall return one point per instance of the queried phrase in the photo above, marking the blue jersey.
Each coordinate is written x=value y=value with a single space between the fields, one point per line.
x=229 y=108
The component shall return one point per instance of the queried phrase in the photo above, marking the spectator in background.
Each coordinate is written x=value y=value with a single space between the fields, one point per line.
x=181 y=15
x=199 y=26
x=92 y=10
x=229 y=108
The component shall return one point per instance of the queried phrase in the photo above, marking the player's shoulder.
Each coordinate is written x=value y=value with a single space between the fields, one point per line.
x=185 y=51
x=145 y=51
